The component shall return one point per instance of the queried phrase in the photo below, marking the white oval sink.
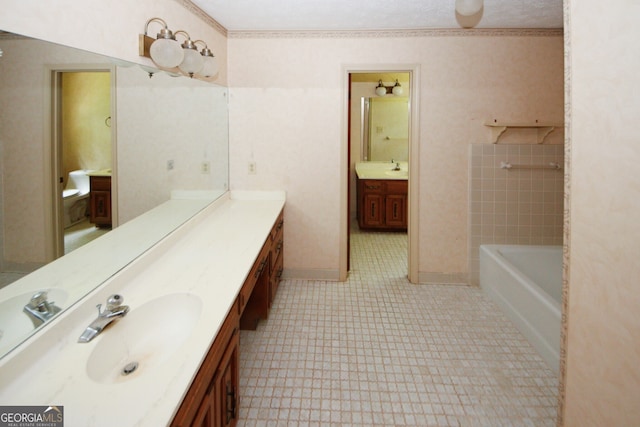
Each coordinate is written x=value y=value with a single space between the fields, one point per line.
x=397 y=173
x=15 y=324
x=142 y=340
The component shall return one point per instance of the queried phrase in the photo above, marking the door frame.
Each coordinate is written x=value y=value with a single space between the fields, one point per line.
x=52 y=153
x=414 y=162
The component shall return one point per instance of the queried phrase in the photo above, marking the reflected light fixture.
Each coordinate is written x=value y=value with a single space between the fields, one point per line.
x=165 y=50
x=382 y=90
x=193 y=61
x=149 y=70
x=468 y=7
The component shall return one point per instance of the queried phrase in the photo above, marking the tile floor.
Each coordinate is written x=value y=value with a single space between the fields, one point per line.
x=379 y=351
x=80 y=234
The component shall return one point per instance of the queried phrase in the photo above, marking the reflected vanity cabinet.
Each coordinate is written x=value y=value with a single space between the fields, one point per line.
x=382 y=204
x=212 y=398
x=100 y=200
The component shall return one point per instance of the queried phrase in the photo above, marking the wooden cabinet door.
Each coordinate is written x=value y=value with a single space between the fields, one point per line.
x=226 y=387
x=100 y=210
x=372 y=212
x=396 y=211
x=206 y=412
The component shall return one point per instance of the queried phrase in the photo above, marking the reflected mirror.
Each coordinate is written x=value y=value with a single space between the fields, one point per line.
x=168 y=160
x=385 y=129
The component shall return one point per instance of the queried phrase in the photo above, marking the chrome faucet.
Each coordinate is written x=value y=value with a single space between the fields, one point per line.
x=114 y=311
x=39 y=309
x=397 y=168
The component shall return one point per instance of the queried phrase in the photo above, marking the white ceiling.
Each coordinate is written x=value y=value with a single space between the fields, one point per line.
x=283 y=15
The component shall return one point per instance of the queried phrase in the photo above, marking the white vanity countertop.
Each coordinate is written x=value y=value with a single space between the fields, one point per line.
x=382 y=170
x=100 y=172
x=208 y=257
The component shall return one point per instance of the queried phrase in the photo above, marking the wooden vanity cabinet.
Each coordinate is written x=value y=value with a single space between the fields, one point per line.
x=277 y=249
x=212 y=399
x=259 y=289
x=382 y=204
x=256 y=306
x=100 y=200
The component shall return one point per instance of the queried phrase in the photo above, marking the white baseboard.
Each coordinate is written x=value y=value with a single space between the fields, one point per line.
x=312 y=274
x=428 y=277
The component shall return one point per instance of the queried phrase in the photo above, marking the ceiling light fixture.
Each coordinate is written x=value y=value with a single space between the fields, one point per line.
x=468 y=7
x=382 y=90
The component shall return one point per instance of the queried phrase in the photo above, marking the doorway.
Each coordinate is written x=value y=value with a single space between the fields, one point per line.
x=360 y=89
x=82 y=143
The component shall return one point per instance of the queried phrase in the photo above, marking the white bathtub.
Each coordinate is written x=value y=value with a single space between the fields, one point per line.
x=526 y=282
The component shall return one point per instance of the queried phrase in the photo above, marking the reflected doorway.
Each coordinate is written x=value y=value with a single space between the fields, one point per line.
x=379 y=138
x=82 y=146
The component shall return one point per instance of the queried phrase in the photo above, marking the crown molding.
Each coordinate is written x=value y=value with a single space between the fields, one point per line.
x=427 y=32
x=187 y=4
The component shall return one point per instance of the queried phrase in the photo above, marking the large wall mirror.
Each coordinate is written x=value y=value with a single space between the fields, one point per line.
x=159 y=137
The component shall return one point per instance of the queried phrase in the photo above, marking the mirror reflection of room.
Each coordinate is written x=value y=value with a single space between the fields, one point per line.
x=380 y=149
x=386 y=129
x=85 y=142
x=59 y=127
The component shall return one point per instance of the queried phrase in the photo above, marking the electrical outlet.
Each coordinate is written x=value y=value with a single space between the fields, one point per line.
x=169 y=165
x=205 y=167
x=252 y=168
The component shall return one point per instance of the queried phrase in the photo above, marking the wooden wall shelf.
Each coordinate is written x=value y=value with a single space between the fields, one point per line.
x=498 y=128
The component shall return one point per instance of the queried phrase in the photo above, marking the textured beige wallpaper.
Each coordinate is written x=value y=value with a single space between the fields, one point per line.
x=287 y=115
x=602 y=383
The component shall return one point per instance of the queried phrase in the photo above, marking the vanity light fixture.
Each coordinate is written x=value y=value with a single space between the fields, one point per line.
x=165 y=50
x=382 y=90
x=175 y=58
x=193 y=61
x=210 y=67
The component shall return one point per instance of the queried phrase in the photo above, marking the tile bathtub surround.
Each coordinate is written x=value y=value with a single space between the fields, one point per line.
x=376 y=350
x=518 y=206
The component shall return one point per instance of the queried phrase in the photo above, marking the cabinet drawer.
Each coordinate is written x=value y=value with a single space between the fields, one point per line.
x=276 y=276
x=100 y=183
x=372 y=186
x=276 y=251
x=259 y=265
x=277 y=228
x=397 y=187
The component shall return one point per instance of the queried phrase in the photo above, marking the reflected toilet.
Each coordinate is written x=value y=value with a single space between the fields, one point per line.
x=75 y=197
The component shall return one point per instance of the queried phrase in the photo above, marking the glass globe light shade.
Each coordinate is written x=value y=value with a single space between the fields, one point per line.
x=210 y=67
x=192 y=62
x=167 y=53
x=468 y=7
x=397 y=89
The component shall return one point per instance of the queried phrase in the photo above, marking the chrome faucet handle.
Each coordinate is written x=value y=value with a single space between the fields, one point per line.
x=38 y=298
x=114 y=301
